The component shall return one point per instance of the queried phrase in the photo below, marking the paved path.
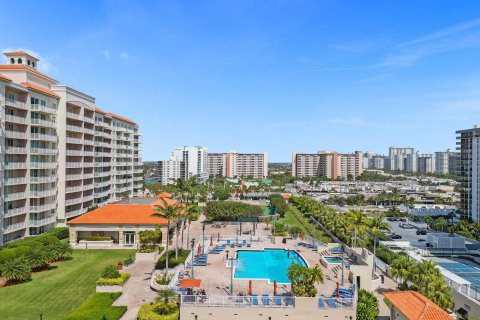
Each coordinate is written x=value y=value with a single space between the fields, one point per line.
x=137 y=289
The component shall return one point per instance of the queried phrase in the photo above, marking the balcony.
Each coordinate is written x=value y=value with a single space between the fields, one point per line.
x=15 y=134
x=88 y=142
x=15 y=165
x=42 y=222
x=103 y=154
x=15 y=119
x=88 y=175
x=45 y=137
x=44 y=123
x=103 y=164
x=103 y=134
x=103 y=144
x=14 y=227
x=43 y=193
x=88 y=131
x=88 y=119
x=102 y=124
x=125 y=164
x=74 y=140
x=16 y=104
x=70 y=202
x=74 y=153
x=102 y=184
x=73 y=189
x=74 y=213
x=118 y=172
x=15 y=150
x=75 y=116
x=123 y=189
x=74 y=128
x=16 y=196
x=70 y=177
x=87 y=198
x=45 y=179
x=102 y=194
x=39 y=107
x=88 y=153
x=88 y=186
x=43 y=165
x=42 y=208
x=15 y=212
x=43 y=151
x=74 y=164
x=103 y=174
x=14 y=181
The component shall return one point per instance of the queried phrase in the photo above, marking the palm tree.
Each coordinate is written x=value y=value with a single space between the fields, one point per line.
x=166 y=296
x=358 y=222
x=402 y=267
x=191 y=214
x=170 y=213
x=37 y=258
x=376 y=224
x=16 y=269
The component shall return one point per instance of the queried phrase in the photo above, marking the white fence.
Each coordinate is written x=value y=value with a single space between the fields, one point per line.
x=237 y=301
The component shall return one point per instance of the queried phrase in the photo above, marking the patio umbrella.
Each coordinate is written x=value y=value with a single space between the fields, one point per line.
x=218 y=237
x=303 y=236
x=211 y=241
x=190 y=283
x=250 y=287
x=338 y=289
x=274 y=287
x=199 y=250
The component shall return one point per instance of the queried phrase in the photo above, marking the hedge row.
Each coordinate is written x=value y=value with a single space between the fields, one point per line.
x=152 y=311
x=230 y=210
x=124 y=276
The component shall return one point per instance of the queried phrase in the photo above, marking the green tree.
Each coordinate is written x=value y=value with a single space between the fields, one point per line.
x=303 y=280
x=192 y=214
x=170 y=213
x=358 y=222
x=167 y=296
x=16 y=269
x=376 y=224
x=367 y=306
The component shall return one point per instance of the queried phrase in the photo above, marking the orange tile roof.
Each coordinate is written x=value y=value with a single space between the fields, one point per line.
x=22 y=67
x=123 y=214
x=39 y=89
x=286 y=195
x=15 y=53
x=98 y=110
x=164 y=195
x=121 y=118
x=416 y=306
x=4 y=77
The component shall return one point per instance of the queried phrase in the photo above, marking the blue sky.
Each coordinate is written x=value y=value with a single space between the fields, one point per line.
x=274 y=76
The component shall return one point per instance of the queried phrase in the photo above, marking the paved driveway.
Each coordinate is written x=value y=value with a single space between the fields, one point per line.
x=137 y=289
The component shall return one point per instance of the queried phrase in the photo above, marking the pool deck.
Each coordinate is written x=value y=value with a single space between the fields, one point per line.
x=216 y=276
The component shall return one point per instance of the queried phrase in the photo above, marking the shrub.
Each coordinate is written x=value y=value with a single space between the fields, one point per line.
x=16 y=269
x=124 y=276
x=367 y=307
x=172 y=262
x=230 y=210
x=280 y=229
x=277 y=201
x=151 y=311
x=97 y=238
x=110 y=272
x=59 y=233
x=97 y=305
x=37 y=258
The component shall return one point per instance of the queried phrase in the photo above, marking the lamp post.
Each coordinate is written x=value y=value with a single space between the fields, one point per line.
x=193 y=245
x=343 y=250
x=232 y=259
x=203 y=236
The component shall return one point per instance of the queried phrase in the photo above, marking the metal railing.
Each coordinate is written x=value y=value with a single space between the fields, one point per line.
x=40 y=136
x=14 y=227
x=15 y=119
x=15 y=150
x=42 y=222
x=43 y=179
x=43 y=122
x=45 y=207
x=14 y=103
x=74 y=128
x=336 y=303
x=237 y=301
x=39 y=107
x=17 y=180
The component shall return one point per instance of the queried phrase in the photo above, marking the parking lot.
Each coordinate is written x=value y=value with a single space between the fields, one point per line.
x=407 y=234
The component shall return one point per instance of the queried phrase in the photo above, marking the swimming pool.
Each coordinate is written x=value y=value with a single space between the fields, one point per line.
x=333 y=260
x=269 y=264
x=464 y=271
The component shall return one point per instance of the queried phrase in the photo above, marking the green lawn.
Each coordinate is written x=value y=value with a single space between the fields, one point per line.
x=98 y=305
x=292 y=220
x=266 y=210
x=57 y=292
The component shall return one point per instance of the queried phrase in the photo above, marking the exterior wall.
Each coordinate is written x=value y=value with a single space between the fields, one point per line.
x=47 y=153
x=217 y=165
x=305 y=309
x=117 y=231
x=327 y=164
x=195 y=159
x=397 y=158
x=461 y=301
x=168 y=171
x=395 y=314
x=104 y=159
x=246 y=165
x=426 y=163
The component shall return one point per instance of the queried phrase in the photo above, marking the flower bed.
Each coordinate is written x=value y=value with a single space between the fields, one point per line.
x=124 y=276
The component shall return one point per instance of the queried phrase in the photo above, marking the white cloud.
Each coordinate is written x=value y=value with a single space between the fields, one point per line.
x=106 y=54
x=44 y=65
x=124 y=56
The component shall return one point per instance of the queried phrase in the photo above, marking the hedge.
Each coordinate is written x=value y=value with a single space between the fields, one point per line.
x=97 y=305
x=162 y=261
x=124 y=276
x=60 y=232
x=149 y=312
x=97 y=238
x=230 y=210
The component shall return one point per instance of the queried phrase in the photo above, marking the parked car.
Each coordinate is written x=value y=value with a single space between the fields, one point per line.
x=395 y=237
x=403 y=219
x=421 y=240
x=421 y=232
x=391 y=219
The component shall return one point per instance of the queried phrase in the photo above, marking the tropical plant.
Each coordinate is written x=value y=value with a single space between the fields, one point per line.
x=192 y=214
x=303 y=280
x=376 y=223
x=110 y=272
x=358 y=222
x=16 y=269
x=166 y=296
x=169 y=212
x=367 y=306
x=37 y=258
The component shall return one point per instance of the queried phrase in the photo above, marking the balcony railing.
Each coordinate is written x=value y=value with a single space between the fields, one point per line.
x=43 y=193
x=88 y=131
x=74 y=128
x=74 y=176
x=46 y=137
x=15 y=150
x=103 y=164
x=88 y=153
x=43 y=165
x=74 y=153
x=45 y=207
x=13 y=181
x=42 y=222
x=75 y=213
x=237 y=301
x=42 y=122
x=16 y=134
x=102 y=194
x=103 y=154
x=69 y=202
x=87 y=186
x=75 y=116
x=74 y=140
x=103 y=174
x=39 y=107
x=16 y=165
x=88 y=175
x=15 y=212
x=87 y=198
x=16 y=196
x=14 y=227
x=14 y=103
x=88 y=119
x=74 y=189
x=102 y=184
x=15 y=119
x=43 y=151
x=88 y=142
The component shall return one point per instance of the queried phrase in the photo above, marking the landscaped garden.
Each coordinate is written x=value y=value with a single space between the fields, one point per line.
x=63 y=287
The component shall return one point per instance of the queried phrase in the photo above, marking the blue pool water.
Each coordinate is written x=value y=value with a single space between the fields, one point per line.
x=465 y=271
x=333 y=260
x=271 y=264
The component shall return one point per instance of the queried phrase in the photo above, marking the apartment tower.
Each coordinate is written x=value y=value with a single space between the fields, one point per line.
x=327 y=164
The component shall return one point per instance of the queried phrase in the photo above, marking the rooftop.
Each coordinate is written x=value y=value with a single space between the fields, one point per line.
x=416 y=306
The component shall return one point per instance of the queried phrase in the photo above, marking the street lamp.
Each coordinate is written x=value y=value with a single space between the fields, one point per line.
x=203 y=235
x=343 y=250
x=193 y=245
x=232 y=259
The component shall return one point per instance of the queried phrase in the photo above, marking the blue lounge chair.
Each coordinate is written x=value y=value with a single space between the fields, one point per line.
x=265 y=299
x=277 y=300
x=321 y=304
x=232 y=245
x=228 y=242
x=249 y=245
x=288 y=301
x=255 y=299
x=244 y=242
x=331 y=303
x=239 y=244
x=200 y=264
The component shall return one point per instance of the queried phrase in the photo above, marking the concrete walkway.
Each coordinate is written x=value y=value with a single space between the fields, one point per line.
x=136 y=291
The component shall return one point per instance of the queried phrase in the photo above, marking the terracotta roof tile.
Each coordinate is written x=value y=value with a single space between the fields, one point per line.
x=416 y=306
x=39 y=89
x=98 y=110
x=121 y=118
x=123 y=214
x=164 y=195
x=15 y=53
x=5 y=78
x=22 y=67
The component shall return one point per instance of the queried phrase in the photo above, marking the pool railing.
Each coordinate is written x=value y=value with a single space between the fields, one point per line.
x=259 y=301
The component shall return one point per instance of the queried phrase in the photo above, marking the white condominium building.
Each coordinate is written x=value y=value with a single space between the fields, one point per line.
x=48 y=142
x=445 y=162
x=184 y=163
x=425 y=163
x=402 y=159
x=168 y=171
x=233 y=164
x=328 y=164
x=217 y=164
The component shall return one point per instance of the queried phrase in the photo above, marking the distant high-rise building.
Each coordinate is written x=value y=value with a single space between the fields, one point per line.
x=468 y=142
x=328 y=164
x=168 y=171
x=184 y=163
x=445 y=162
x=402 y=159
x=233 y=164
x=426 y=163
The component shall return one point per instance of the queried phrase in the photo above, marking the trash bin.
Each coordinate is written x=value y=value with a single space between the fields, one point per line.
x=382 y=277
x=284 y=240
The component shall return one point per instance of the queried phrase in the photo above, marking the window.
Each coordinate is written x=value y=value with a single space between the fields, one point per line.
x=19 y=60
x=28 y=61
x=12 y=61
x=33 y=64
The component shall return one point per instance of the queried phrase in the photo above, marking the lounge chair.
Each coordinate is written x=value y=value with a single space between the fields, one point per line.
x=255 y=299
x=200 y=264
x=244 y=242
x=277 y=300
x=321 y=304
x=239 y=244
x=249 y=245
x=232 y=245
x=331 y=303
x=265 y=299
x=288 y=301
x=228 y=242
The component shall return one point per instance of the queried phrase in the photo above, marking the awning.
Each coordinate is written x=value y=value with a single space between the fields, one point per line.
x=190 y=283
